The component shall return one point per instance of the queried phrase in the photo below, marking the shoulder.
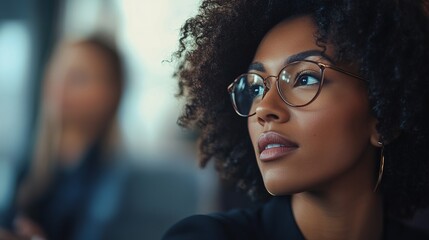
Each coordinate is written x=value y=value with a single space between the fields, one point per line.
x=236 y=224
x=272 y=220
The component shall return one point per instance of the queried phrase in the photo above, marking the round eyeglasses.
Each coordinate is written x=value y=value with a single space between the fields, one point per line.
x=298 y=84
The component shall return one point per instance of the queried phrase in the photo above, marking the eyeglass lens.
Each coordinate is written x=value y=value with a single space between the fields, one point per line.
x=297 y=84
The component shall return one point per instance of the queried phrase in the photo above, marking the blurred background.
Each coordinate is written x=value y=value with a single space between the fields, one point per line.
x=47 y=70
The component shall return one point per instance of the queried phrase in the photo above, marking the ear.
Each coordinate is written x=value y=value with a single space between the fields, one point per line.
x=375 y=137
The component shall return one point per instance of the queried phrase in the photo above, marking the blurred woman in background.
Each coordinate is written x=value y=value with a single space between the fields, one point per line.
x=66 y=193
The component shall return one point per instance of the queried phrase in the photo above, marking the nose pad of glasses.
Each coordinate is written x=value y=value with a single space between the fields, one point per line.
x=268 y=84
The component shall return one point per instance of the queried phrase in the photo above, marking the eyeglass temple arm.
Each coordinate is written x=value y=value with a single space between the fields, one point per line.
x=342 y=71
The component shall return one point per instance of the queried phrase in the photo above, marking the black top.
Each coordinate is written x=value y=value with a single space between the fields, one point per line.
x=273 y=220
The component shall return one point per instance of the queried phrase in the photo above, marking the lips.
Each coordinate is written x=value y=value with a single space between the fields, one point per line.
x=272 y=145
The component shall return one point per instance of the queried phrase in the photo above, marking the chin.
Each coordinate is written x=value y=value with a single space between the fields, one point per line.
x=280 y=187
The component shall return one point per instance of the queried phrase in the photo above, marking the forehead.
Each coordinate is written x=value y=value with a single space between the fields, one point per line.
x=287 y=38
x=81 y=56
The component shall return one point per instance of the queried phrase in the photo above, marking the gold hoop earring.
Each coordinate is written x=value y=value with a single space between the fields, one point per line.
x=272 y=194
x=381 y=168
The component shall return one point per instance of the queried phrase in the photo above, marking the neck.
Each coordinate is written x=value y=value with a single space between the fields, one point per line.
x=339 y=217
x=346 y=209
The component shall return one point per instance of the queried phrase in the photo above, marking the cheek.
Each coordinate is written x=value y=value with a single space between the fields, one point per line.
x=332 y=141
x=334 y=135
x=53 y=96
x=342 y=127
x=99 y=102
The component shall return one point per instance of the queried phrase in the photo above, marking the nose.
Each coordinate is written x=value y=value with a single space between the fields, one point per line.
x=272 y=108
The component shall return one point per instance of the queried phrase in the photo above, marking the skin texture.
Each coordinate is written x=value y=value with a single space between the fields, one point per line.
x=335 y=158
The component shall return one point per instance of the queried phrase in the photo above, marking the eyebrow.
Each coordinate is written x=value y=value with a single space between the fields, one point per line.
x=306 y=54
x=257 y=66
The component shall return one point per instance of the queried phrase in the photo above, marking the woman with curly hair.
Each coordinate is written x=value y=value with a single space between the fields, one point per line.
x=328 y=127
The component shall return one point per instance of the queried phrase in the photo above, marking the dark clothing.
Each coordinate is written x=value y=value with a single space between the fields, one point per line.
x=62 y=206
x=119 y=198
x=81 y=200
x=273 y=220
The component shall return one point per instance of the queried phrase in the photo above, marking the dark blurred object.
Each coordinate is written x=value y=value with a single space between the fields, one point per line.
x=421 y=220
x=155 y=196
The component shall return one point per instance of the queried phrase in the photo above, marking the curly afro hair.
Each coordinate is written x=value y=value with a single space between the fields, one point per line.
x=388 y=40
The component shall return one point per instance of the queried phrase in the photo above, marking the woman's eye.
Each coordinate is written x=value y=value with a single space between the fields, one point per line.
x=256 y=90
x=306 y=80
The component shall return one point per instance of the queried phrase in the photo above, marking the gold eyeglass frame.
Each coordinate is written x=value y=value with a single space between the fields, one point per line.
x=322 y=67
